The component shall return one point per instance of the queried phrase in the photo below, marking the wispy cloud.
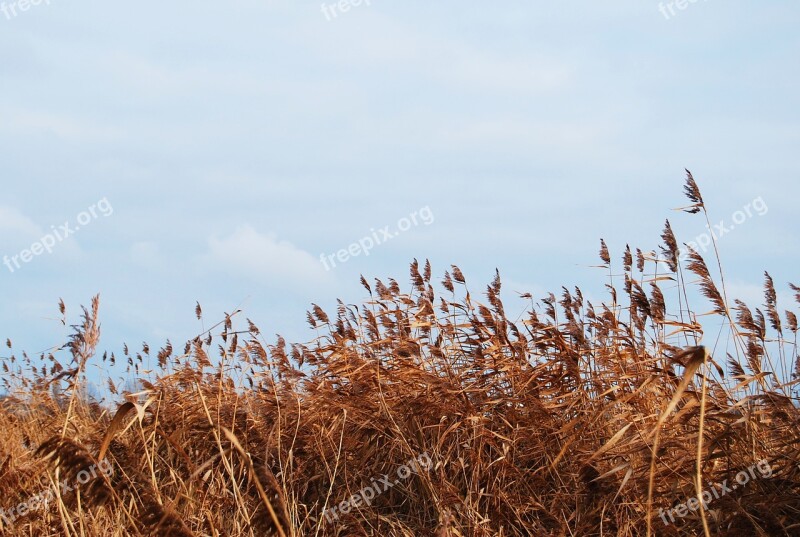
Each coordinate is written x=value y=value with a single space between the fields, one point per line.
x=13 y=222
x=264 y=258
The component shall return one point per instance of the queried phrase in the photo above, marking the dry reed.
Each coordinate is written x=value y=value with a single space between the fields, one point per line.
x=578 y=419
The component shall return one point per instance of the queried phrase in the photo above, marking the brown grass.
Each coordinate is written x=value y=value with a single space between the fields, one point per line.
x=573 y=419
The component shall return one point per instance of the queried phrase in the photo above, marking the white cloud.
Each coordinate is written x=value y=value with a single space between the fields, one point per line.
x=265 y=258
x=17 y=232
x=13 y=222
x=64 y=126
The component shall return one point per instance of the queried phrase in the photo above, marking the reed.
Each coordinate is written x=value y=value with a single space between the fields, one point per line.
x=574 y=419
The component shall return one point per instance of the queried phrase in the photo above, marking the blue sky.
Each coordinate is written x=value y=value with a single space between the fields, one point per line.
x=237 y=142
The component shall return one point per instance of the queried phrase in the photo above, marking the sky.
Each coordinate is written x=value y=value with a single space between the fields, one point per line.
x=163 y=154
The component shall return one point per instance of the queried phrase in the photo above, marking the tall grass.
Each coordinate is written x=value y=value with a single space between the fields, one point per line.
x=576 y=419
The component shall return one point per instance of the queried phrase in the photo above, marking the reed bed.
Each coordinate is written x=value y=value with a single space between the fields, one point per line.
x=574 y=419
